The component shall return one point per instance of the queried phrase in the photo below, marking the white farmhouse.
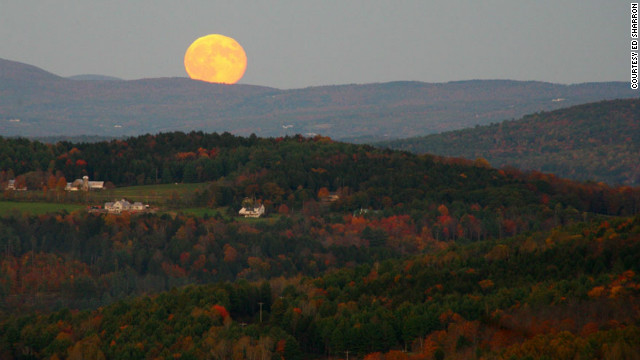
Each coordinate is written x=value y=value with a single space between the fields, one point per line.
x=252 y=211
x=118 y=206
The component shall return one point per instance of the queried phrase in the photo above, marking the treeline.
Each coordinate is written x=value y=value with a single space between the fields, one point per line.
x=569 y=293
x=597 y=141
x=139 y=160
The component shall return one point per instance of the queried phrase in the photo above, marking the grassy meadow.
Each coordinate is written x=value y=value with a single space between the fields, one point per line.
x=148 y=194
x=163 y=196
x=35 y=208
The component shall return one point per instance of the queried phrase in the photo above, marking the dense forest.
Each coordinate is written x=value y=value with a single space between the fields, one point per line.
x=597 y=141
x=418 y=257
x=565 y=294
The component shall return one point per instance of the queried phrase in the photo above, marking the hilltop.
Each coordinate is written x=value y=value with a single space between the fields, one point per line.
x=34 y=103
x=596 y=141
x=92 y=77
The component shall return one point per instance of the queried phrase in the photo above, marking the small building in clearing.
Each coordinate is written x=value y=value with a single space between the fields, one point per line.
x=11 y=185
x=331 y=197
x=252 y=211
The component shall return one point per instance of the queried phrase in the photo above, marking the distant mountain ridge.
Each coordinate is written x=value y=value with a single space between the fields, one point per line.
x=93 y=77
x=34 y=102
x=596 y=141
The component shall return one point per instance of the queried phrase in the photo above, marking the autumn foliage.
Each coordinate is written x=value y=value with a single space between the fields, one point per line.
x=413 y=257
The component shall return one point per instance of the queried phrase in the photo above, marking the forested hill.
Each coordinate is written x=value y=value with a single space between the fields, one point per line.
x=35 y=103
x=569 y=294
x=597 y=141
x=418 y=257
x=298 y=172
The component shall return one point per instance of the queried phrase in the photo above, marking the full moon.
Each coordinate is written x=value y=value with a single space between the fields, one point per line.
x=215 y=58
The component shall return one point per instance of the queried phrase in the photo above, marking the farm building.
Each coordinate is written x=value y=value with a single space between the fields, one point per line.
x=84 y=185
x=252 y=211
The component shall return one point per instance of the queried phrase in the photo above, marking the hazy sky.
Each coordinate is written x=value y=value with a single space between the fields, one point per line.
x=300 y=43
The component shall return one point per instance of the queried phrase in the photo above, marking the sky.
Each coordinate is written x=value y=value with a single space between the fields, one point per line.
x=301 y=43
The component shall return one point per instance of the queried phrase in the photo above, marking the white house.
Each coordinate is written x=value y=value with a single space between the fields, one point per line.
x=253 y=212
x=119 y=206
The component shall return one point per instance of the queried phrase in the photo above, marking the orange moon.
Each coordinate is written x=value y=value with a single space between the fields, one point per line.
x=215 y=58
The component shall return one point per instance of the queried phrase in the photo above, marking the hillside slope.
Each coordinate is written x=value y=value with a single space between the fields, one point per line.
x=596 y=141
x=569 y=294
x=36 y=103
x=439 y=257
